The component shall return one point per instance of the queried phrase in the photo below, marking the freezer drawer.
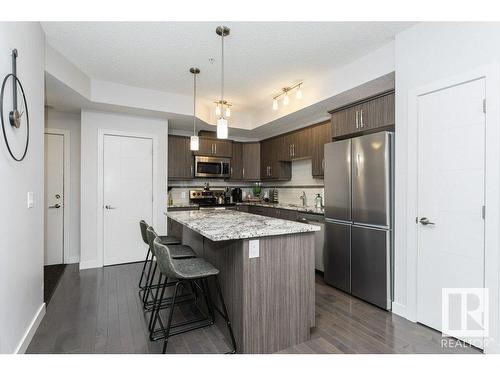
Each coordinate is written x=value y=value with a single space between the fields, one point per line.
x=338 y=180
x=371 y=179
x=370 y=265
x=337 y=255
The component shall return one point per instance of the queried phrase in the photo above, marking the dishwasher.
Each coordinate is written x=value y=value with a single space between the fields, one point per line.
x=319 y=238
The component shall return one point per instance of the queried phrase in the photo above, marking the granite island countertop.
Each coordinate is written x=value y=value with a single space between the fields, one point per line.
x=223 y=225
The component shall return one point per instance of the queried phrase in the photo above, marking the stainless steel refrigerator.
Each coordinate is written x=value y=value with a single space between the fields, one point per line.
x=359 y=217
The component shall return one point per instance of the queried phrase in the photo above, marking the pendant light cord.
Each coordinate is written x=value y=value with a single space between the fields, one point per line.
x=194 y=105
x=222 y=75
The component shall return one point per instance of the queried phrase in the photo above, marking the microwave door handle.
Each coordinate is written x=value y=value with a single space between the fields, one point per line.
x=221 y=168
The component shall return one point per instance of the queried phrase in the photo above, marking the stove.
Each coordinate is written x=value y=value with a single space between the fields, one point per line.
x=209 y=198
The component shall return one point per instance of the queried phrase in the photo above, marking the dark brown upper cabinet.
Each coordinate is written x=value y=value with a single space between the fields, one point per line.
x=237 y=162
x=251 y=161
x=321 y=134
x=215 y=147
x=373 y=114
x=271 y=167
x=180 y=158
x=245 y=164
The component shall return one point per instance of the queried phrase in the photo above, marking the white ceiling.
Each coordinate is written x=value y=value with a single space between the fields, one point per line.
x=260 y=57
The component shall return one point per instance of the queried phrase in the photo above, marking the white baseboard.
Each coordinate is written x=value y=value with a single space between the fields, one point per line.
x=399 y=309
x=72 y=260
x=30 y=331
x=88 y=264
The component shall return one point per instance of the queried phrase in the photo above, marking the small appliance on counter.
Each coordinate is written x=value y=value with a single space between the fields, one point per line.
x=237 y=195
x=210 y=198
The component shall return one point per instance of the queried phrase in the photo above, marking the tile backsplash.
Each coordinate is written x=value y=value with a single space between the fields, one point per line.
x=288 y=191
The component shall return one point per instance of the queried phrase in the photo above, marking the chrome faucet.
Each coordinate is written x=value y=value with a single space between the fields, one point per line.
x=303 y=198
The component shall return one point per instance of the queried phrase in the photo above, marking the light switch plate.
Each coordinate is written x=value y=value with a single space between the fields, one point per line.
x=29 y=199
x=253 y=248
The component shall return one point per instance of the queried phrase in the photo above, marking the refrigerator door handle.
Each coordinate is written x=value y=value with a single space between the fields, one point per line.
x=358 y=158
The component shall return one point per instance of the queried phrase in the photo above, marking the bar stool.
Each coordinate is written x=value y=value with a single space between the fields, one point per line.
x=166 y=239
x=181 y=251
x=193 y=271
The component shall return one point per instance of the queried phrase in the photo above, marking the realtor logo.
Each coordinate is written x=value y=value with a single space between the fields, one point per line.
x=465 y=312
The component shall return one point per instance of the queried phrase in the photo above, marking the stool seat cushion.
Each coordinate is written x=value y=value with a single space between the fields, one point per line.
x=169 y=240
x=178 y=251
x=192 y=268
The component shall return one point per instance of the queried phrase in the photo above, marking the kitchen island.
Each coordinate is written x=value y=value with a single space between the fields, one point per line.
x=266 y=273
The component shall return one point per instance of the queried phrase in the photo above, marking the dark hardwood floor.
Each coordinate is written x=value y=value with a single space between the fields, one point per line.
x=98 y=311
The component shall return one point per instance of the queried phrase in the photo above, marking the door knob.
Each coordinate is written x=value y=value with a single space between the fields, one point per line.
x=425 y=221
x=109 y=207
x=55 y=206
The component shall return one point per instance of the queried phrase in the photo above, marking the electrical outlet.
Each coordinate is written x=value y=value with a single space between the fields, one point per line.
x=253 y=248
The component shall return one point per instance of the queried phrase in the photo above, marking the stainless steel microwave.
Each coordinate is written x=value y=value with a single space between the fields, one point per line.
x=209 y=166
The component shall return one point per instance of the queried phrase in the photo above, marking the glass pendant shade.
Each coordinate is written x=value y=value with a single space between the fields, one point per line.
x=228 y=112
x=286 y=100
x=298 y=95
x=195 y=143
x=217 y=110
x=222 y=130
x=275 y=104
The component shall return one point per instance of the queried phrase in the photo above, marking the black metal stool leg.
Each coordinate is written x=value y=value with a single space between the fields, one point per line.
x=170 y=316
x=156 y=303
x=144 y=270
x=156 y=310
x=148 y=288
x=226 y=315
x=208 y=298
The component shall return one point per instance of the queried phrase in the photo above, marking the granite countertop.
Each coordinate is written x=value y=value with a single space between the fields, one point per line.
x=222 y=225
x=284 y=206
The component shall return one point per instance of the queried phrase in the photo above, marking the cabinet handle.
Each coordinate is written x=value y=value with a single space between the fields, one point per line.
x=191 y=169
x=361 y=116
x=231 y=171
x=243 y=172
x=323 y=164
x=357 y=121
x=215 y=145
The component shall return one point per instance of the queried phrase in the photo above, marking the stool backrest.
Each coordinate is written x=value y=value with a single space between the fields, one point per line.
x=151 y=236
x=144 y=226
x=164 y=259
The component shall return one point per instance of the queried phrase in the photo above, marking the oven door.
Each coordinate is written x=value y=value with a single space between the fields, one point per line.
x=206 y=166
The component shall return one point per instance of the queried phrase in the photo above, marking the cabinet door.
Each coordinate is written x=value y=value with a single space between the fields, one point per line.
x=321 y=135
x=288 y=214
x=265 y=155
x=222 y=148
x=289 y=142
x=339 y=123
x=206 y=147
x=251 y=161
x=303 y=147
x=180 y=158
x=380 y=112
x=237 y=161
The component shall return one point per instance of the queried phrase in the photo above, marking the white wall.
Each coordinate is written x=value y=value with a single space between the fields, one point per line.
x=91 y=122
x=21 y=229
x=71 y=123
x=426 y=53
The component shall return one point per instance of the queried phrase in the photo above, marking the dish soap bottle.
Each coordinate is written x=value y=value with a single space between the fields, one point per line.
x=318 y=201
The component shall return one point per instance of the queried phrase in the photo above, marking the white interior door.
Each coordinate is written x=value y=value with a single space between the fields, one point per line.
x=54 y=199
x=127 y=196
x=451 y=152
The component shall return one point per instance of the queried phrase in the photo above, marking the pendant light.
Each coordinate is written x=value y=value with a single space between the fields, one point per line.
x=222 y=129
x=195 y=141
